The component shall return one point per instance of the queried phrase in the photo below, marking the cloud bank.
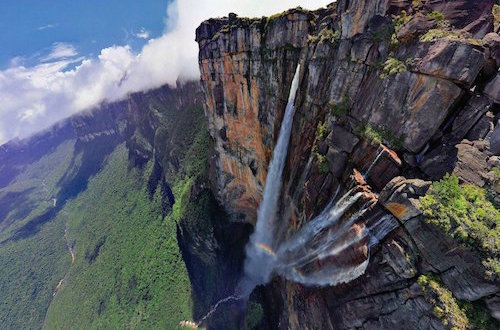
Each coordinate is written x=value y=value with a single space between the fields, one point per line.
x=33 y=98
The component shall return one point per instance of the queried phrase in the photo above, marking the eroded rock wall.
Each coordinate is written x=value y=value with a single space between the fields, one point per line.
x=406 y=86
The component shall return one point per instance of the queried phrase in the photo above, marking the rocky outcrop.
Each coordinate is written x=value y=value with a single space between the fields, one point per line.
x=393 y=93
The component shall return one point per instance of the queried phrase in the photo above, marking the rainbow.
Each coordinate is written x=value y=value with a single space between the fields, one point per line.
x=266 y=249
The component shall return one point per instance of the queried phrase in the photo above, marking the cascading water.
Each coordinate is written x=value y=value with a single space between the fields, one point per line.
x=260 y=258
x=379 y=154
x=330 y=249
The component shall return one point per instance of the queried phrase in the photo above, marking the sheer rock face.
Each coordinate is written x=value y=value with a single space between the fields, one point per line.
x=246 y=74
x=394 y=108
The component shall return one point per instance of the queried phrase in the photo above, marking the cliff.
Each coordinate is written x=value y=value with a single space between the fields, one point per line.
x=402 y=91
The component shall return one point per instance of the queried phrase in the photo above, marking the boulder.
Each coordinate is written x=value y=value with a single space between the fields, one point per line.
x=400 y=197
x=480 y=130
x=418 y=24
x=416 y=104
x=341 y=139
x=472 y=165
x=398 y=259
x=473 y=16
x=439 y=161
x=492 y=44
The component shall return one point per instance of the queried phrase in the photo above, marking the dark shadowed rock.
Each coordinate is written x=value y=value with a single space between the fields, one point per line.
x=439 y=161
x=341 y=139
x=495 y=141
x=493 y=304
x=337 y=161
x=492 y=46
x=476 y=107
x=485 y=125
x=461 y=269
x=492 y=90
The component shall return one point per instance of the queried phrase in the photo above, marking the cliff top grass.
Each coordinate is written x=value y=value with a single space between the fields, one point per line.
x=465 y=214
x=379 y=135
x=442 y=29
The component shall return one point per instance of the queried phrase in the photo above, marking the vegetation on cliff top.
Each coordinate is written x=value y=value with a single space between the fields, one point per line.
x=464 y=213
x=453 y=313
x=379 y=135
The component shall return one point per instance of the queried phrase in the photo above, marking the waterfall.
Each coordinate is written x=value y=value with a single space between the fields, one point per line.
x=332 y=248
x=380 y=153
x=260 y=257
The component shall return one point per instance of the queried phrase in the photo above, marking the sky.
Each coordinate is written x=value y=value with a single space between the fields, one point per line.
x=59 y=57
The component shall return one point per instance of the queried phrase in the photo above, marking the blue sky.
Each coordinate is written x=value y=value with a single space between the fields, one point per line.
x=61 y=57
x=31 y=27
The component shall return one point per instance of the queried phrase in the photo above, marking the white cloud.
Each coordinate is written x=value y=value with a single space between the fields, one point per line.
x=60 y=50
x=46 y=27
x=33 y=98
x=143 y=34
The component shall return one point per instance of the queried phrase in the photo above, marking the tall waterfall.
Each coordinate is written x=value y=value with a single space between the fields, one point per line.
x=260 y=258
x=332 y=248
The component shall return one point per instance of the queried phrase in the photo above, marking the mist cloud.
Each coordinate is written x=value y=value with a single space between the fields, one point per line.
x=33 y=98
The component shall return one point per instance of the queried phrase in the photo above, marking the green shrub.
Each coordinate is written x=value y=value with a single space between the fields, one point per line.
x=445 y=306
x=398 y=22
x=445 y=31
x=393 y=66
x=401 y=20
x=380 y=135
x=328 y=35
x=465 y=214
x=455 y=313
x=436 y=15
x=478 y=314
x=323 y=167
x=321 y=131
x=253 y=316
x=496 y=170
x=341 y=108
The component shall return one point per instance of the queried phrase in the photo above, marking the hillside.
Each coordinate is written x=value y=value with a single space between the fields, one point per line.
x=112 y=187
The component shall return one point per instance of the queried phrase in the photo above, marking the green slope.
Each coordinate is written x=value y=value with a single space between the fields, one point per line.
x=128 y=271
x=31 y=268
x=112 y=209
